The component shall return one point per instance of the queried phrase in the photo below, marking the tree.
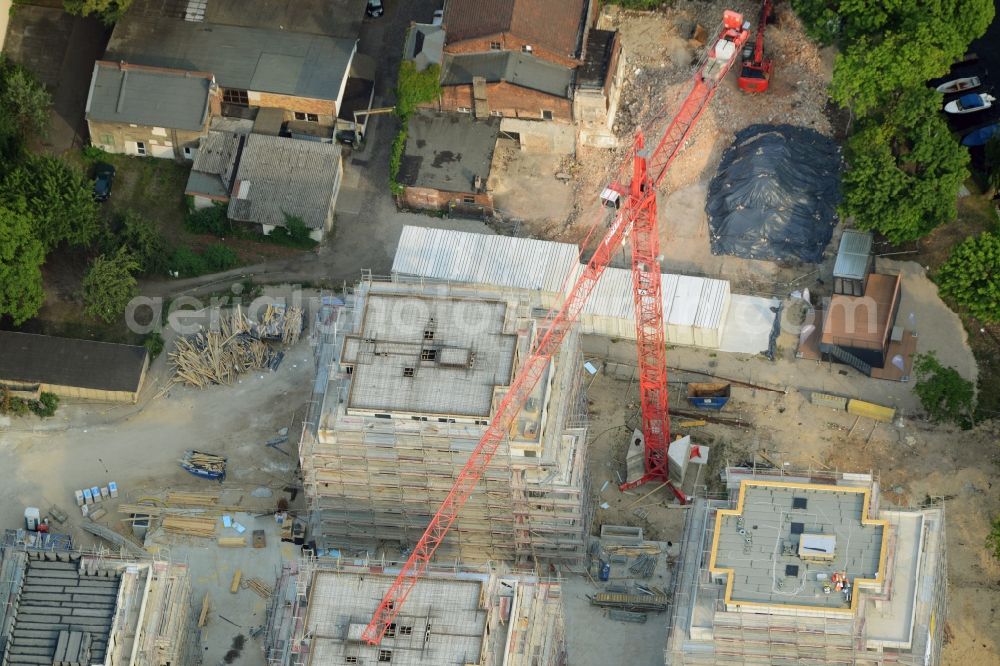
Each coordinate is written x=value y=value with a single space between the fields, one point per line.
x=21 y=258
x=219 y=258
x=971 y=276
x=993 y=164
x=24 y=108
x=59 y=198
x=944 y=394
x=144 y=242
x=904 y=169
x=108 y=11
x=414 y=88
x=110 y=284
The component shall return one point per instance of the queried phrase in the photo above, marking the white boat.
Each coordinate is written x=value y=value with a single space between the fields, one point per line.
x=970 y=103
x=959 y=85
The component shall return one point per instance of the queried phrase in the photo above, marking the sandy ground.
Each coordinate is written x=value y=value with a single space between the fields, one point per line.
x=525 y=186
x=86 y=445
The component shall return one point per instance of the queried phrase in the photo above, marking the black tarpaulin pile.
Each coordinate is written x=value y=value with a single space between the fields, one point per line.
x=776 y=194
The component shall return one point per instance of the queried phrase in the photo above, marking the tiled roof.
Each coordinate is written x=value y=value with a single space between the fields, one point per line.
x=554 y=24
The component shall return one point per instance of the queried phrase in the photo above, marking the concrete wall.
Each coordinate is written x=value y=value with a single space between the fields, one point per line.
x=122 y=138
x=509 y=100
x=5 y=6
x=595 y=110
x=509 y=42
x=541 y=137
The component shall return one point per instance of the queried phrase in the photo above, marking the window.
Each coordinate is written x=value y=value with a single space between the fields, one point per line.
x=464 y=109
x=407 y=372
x=497 y=113
x=188 y=152
x=526 y=48
x=390 y=631
x=428 y=335
x=546 y=114
x=405 y=631
x=494 y=46
x=140 y=147
x=350 y=660
x=349 y=369
x=384 y=656
x=234 y=96
x=428 y=354
x=311 y=117
x=107 y=140
x=469 y=200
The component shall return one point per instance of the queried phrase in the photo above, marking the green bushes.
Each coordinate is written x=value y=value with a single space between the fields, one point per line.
x=413 y=88
x=971 y=276
x=44 y=407
x=153 y=344
x=395 y=159
x=945 y=395
x=185 y=262
x=211 y=220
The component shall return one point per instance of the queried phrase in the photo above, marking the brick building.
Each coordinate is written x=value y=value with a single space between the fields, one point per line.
x=599 y=83
x=552 y=30
x=303 y=75
x=507 y=84
x=155 y=111
x=446 y=162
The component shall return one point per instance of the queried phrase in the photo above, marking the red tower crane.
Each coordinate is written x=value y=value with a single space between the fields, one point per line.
x=636 y=215
x=755 y=74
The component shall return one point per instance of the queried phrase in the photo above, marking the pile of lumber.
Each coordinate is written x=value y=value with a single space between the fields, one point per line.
x=258 y=586
x=280 y=323
x=190 y=526
x=189 y=498
x=219 y=356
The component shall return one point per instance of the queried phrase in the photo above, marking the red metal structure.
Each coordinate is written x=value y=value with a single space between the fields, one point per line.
x=755 y=74
x=636 y=215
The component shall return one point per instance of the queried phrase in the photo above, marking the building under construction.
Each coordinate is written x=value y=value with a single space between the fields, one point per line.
x=457 y=615
x=66 y=607
x=800 y=569
x=408 y=376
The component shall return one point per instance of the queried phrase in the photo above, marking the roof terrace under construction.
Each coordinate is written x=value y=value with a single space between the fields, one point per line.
x=408 y=377
x=802 y=568
x=454 y=617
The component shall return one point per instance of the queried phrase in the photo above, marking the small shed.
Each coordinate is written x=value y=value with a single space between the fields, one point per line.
x=854 y=263
x=70 y=368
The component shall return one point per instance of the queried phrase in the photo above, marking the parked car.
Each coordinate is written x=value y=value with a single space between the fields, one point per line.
x=375 y=8
x=347 y=138
x=438 y=17
x=104 y=177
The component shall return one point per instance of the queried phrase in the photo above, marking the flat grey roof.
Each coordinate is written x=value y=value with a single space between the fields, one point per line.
x=442 y=622
x=446 y=151
x=279 y=175
x=258 y=59
x=334 y=18
x=426 y=355
x=852 y=255
x=56 y=597
x=121 y=93
x=520 y=69
x=765 y=544
x=43 y=359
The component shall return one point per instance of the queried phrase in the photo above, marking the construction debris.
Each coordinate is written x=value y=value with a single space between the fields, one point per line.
x=232 y=542
x=219 y=356
x=205 y=465
x=644 y=566
x=203 y=617
x=110 y=535
x=656 y=603
x=235 y=586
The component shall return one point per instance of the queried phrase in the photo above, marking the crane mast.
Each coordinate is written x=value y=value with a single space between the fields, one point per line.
x=636 y=215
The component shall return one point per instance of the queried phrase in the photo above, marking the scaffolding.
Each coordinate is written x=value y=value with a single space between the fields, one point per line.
x=458 y=614
x=374 y=480
x=900 y=622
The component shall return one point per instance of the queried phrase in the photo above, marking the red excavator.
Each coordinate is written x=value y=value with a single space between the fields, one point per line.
x=755 y=74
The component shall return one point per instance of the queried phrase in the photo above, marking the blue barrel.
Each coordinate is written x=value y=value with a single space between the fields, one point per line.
x=605 y=572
